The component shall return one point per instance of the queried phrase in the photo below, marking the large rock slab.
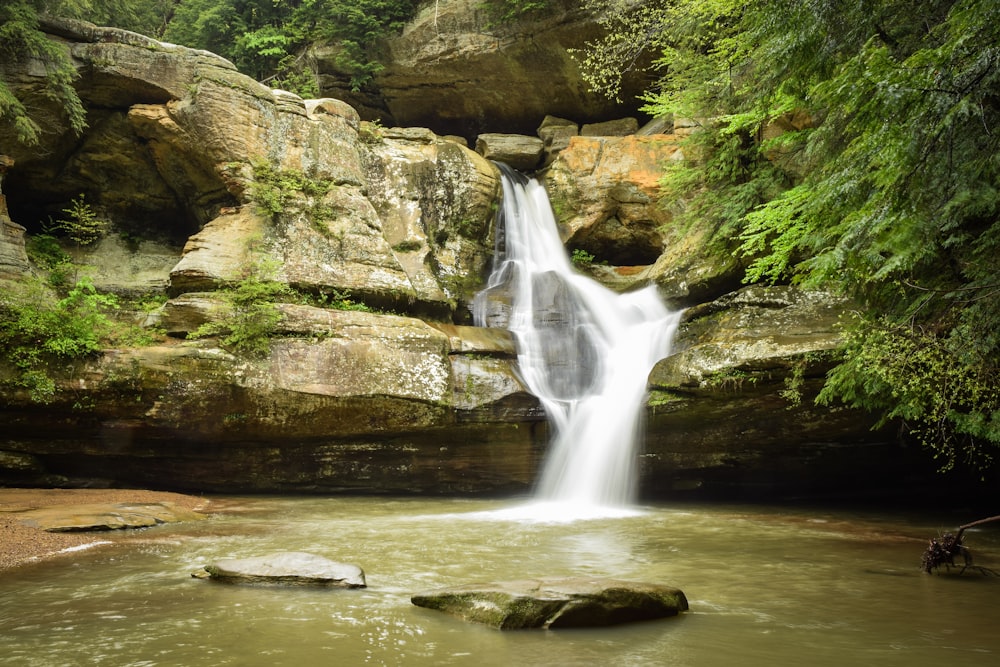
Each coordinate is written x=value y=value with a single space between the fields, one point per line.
x=517 y=150
x=436 y=201
x=755 y=328
x=289 y=568
x=556 y=603
x=105 y=516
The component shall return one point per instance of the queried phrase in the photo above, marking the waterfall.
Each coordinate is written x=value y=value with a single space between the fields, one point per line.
x=583 y=350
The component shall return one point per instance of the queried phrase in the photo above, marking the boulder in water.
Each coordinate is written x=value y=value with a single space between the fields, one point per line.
x=556 y=603
x=287 y=568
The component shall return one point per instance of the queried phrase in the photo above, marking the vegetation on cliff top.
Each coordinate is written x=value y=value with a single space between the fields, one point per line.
x=266 y=39
x=850 y=145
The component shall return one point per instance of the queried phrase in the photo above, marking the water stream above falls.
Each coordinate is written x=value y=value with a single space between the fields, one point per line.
x=767 y=586
x=583 y=350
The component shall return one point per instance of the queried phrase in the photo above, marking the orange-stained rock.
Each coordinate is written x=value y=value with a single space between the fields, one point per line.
x=605 y=193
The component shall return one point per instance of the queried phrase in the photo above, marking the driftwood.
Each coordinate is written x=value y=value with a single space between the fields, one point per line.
x=944 y=550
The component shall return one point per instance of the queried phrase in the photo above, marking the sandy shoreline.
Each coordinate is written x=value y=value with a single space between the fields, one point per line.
x=21 y=544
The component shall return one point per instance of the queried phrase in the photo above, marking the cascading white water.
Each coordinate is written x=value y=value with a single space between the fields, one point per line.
x=583 y=350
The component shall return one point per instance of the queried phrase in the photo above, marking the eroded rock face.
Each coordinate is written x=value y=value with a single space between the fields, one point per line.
x=435 y=200
x=487 y=76
x=605 y=194
x=754 y=328
x=13 y=258
x=556 y=603
x=732 y=412
x=176 y=151
x=345 y=401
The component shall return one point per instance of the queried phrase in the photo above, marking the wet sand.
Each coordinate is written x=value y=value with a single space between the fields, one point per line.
x=21 y=544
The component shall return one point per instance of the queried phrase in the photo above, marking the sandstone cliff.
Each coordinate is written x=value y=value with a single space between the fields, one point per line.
x=204 y=174
x=486 y=75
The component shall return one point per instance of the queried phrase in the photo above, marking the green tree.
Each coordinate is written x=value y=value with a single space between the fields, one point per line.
x=264 y=38
x=22 y=40
x=887 y=188
x=40 y=337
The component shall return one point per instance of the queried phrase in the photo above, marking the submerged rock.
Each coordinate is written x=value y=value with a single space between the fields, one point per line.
x=288 y=568
x=556 y=603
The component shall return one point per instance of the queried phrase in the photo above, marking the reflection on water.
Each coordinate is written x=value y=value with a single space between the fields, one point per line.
x=766 y=587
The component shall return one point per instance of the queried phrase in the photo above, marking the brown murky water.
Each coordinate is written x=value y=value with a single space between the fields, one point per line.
x=766 y=587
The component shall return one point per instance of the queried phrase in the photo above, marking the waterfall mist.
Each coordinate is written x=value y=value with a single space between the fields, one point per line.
x=583 y=350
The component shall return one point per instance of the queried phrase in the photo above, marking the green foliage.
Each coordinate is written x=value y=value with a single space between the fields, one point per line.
x=48 y=254
x=371 y=132
x=581 y=258
x=266 y=39
x=730 y=380
x=21 y=40
x=945 y=394
x=277 y=191
x=885 y=188
x=336 y=300
x=506 y=11
x=254 y=318
x=38 y=336
x=46 y=251
x=795 y=381
x=81 y=223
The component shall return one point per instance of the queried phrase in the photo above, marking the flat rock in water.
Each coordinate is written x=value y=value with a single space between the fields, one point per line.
x=105 y=516
x=289 y=568
x=556 y=603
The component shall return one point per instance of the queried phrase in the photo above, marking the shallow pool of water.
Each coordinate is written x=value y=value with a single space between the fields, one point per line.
x=766 y=587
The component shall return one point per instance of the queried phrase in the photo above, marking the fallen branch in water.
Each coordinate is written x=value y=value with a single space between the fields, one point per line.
x=943 y=551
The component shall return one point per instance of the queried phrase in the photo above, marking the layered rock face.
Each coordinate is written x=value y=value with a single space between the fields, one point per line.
x=207 y=177
x=486 y=75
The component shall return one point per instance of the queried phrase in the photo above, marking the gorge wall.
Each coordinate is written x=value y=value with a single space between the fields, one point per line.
x=458 y=69
x=207 y=176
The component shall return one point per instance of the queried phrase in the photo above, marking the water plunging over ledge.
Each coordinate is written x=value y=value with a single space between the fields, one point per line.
x=583 y=350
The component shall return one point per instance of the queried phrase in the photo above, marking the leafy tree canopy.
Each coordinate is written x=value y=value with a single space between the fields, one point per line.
x=266 y=38
x=850 y=145
x=21 y=39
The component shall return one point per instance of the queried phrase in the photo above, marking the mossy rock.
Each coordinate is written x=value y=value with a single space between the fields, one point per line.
x=556 y=603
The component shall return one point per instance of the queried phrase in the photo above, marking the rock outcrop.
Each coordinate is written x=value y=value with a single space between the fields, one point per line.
x=202 y=155
x=13 y=258
x=556 y=603
x=732 y=412
x=487 y=75
x=605 y=193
